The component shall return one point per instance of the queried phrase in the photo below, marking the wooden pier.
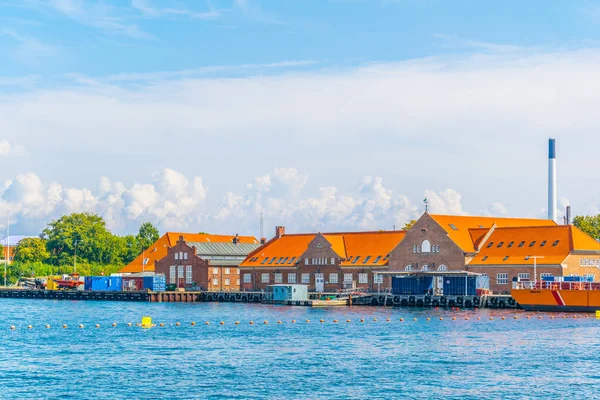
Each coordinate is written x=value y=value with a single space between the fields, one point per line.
x=375 y=299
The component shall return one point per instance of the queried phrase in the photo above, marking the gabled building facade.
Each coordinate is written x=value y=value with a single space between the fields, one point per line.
x=204 y=266
x=323 y=261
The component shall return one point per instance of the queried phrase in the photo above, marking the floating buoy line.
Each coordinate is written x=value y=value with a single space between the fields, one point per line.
x=147 y=322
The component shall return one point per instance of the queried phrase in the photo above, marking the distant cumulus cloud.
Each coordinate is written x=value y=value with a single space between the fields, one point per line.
x=173 y=201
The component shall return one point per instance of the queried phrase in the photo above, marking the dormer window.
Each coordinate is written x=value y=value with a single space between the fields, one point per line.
x=532 y=244
x=500 y=244
x=484 y=258
x=490 y=244
x=511 y=244
x=522 y=243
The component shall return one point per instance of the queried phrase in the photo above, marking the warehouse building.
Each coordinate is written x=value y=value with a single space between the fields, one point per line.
x=206 y=266
x=323 y=261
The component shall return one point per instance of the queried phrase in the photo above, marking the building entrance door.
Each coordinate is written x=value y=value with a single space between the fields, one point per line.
x=319 y=282
x=181 y=283
x=439 y=290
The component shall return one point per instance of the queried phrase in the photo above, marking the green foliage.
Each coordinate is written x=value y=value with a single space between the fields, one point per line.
x=1 y=250
x=147 y=235
x=31 y=250
x=590 y=224
x=17 y=270
x=408 y=225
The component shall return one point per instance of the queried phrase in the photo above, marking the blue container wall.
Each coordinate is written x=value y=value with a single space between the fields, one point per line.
x=157 y=283
x=574 y=279
x=412 y=285
x=103 y=283
x=548 y=278
x=460 y=285
x=115 y=283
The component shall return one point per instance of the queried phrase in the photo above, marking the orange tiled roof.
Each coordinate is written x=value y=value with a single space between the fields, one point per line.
x=158 y=249
x=582 y=241
x=458 y=227
x=348 y=245
x=553 y=243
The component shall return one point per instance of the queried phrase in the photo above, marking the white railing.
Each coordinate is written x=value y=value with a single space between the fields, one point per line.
x=543 y=285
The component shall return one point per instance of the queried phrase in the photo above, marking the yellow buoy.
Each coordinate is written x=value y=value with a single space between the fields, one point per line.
x=453 y=318
x=29 y=327
x=401 y=319
x=222 y=322
x=129 y=324
x=466 y=318
x=491 y=318
x=441 y=319
x=81 y=326
x=387 y=319
x=237 y=322
x=375 y=319
x=146 y=322
x=552 y=317
x=193 y=323
x=279 y=322
x=293 y=321
x=251 y=322
x=564 y=316
x=347 y=320
x=12 y=327
x=363 y=320
x=65 y=326
x=428 y=319
x=97 y=325
x=321 y=320
x=207 y=323
x=265 y=322
x=528 y=317
x=515 y=317
x=114 y=324
x=177 y=324
x=47 y=326
x=414 y=319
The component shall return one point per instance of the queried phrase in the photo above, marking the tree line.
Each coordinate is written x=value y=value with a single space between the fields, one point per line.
x=80 y=237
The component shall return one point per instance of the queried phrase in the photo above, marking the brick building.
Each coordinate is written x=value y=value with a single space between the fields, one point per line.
x=159 y=249
x=323 y=261
x=204 y=265
x=458 y=243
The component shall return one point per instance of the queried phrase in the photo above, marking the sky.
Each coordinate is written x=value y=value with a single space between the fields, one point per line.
x=323 y=115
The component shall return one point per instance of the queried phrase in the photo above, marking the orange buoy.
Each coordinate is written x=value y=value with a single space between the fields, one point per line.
x=401 y=320
x=515 y=317
x=321 y=320
x=414 y=319
x=222 y=322
x=347 y=320
x=293 y=321
x=251 y=323
x=491 y=318
x=307 y=321
x=335 y=321
x=363 y=320
x=207 y=323
x=466 y=318
x=552 y=317
x=478 y=318
x=193 y=323
x=279 y=322
x=528 y=317
x=177 y=324
x=97 y=325
x=29 y=327
x=161 y=324
x=65 y=326
x=237 y=322
x=453 y=318
x=265 y=322
x=503 y=318
x=441 y=319
x=387 y=319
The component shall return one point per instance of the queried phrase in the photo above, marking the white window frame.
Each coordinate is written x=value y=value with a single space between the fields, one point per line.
x=524 y=275
x=185 y=256
x=173 y=274
x=363 y=277
x=348 y=277
x=176 y=256
x=278 y=277
x=180 y=273
x=215 y=271
x=265 y=278
x=502 y=278
x=215 y=281
x=227 y=271
x=425 y=246
x=443 y=268
x=545 y=274
x=305 y=278
x=227 y=282
x=409 y=268
x=292 y=277
x=333 y=277
x=188 y=274
x=247 y=278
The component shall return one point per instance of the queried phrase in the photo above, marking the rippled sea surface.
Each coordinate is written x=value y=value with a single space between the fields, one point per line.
x=510 y=358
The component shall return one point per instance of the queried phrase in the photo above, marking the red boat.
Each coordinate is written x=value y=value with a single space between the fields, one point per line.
x=70 y=282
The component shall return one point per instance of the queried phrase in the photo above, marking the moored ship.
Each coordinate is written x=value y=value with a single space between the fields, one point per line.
x=566 y=296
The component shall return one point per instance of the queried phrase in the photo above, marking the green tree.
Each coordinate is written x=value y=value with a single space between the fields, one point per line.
x=409 y=225
x=2 y=251
x=85 y=231
x=31 y=250
x=147 y=235
x=590 y=224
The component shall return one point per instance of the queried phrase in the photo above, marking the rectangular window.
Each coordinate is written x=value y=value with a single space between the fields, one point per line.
x=500 y=244
x=188 y=274
x=511 y=244
x=292 y=260
x=591 y=276
x=355 y=259
x=265 y=260
x=502 y=278
x=181 y=255
x=227 y=271
x=278 y=278
x=505 y=258
x=227 y=281
x=180 y=272
x=367 y=258
x=521 y=244
x=532 y=244
x=177 y=256
x=348 y=277
x=363 y=278
x=524 y=275
x=484 y=258
x=292 y=277
x=185 y=256
x=543 y=244
x=238 y=281
x=377 y=278
x=545 y=274
x=305 y=278
x=377 y=260
x=555 y=243
x=215 y=281
x=173 y=277
x=215 y=271
x=490 y=244
x=247 y=278
x=272 y=259
x=333 y=278
x=265 y=277
x=453 y=227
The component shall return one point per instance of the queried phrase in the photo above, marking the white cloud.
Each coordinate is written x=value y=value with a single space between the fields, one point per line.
x=11 y=149
x=173 y=201
x=153 y=11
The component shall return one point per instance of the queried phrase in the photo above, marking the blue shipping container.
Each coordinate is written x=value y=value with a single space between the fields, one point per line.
x=548 y=278
x=574 y=279
x=103 y=283
x=412 y=285
x=156 y=283
x=460 y=285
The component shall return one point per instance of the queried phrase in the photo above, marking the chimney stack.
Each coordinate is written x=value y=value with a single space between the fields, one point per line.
x=279 y=231
x=552 y=180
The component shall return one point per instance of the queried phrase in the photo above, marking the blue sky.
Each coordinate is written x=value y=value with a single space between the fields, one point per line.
x=324 y=115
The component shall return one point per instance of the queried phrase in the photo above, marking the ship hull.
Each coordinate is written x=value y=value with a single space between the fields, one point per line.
x=558 y=300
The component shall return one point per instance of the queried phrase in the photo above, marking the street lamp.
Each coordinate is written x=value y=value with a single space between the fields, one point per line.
x=535 y=268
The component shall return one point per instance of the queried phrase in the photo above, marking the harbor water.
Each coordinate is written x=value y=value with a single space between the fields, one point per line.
x=510 y=358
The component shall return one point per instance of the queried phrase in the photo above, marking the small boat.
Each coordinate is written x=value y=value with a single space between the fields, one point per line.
x=330 y=302
x=570 y=296
x=67 y=283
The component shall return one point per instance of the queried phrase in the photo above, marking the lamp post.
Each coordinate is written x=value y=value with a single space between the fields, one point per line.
x=535 y=268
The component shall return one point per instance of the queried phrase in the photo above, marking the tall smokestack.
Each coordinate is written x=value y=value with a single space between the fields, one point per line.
x=552 y=180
